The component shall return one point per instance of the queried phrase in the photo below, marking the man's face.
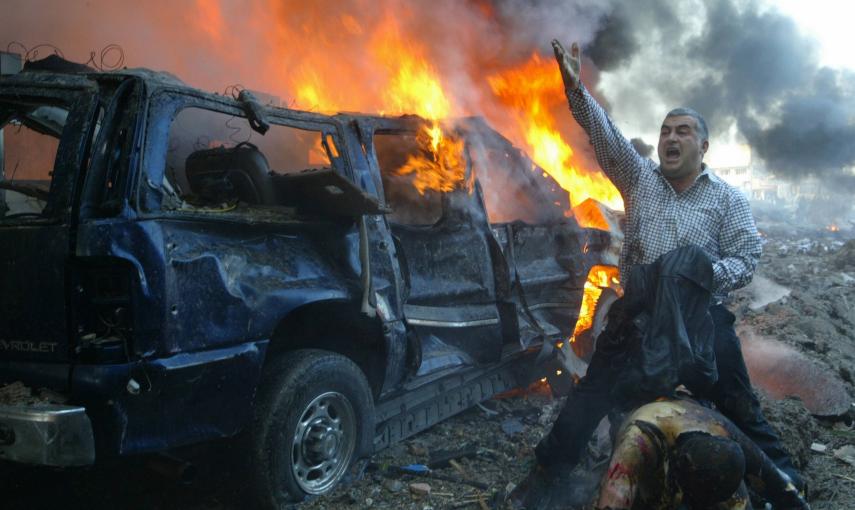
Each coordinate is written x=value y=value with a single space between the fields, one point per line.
x=680 y=147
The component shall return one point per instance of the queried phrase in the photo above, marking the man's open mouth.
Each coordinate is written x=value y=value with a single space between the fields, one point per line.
x=672 y=153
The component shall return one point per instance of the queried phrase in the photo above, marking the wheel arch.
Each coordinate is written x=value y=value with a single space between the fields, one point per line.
x=337 y=326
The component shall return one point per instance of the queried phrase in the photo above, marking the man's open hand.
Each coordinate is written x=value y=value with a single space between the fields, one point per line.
x=569 y=63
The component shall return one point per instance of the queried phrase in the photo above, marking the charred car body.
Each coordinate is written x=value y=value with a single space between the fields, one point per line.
x=172 y=276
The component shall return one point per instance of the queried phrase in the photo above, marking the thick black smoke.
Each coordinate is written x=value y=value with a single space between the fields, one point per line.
x=737 y=63
x=642 y=147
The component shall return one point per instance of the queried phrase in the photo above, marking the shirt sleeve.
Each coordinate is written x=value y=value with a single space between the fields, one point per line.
x=739 y=245
x=616 y=155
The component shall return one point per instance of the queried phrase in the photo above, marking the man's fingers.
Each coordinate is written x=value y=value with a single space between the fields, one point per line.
x=568 y=63
x=558 y=49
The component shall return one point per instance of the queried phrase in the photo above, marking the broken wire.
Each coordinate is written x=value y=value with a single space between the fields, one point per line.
x=202 y=142
x=32 y=53
x=110 y=58
x=233 y=90
x=114 y=50
x=235 y=130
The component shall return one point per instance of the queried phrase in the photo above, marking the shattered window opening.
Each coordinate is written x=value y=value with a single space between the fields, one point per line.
x=30 y=134
x=510 y=192
x=216 y=162
x=409 y=206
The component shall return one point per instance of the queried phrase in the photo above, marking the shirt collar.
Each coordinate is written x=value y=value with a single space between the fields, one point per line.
x=705 y=171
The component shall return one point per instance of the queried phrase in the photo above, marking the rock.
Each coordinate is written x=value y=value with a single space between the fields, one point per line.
x=393 y=486
x=509 y=488
x=845 y=257
x=369 y=502
x=417 y=449
x=845 y=374
x=818 y=447
x=441 y=458
x=794 y=424
x=816 y=328
x=846 y=454
x=353 y=496
x=512 y=426
x=420 y=489
x=841 y=309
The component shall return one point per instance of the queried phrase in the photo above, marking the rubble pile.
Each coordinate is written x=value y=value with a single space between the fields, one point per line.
x=17 y=393
x=816 y=317
x=495 y=444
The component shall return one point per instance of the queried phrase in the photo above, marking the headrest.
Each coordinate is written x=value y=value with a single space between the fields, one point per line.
x=222 y=174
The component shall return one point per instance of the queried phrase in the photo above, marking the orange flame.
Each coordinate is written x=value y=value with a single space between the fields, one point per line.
x=441 y=166
x=599 y=278
x=532 y=90
x=414 y=85
x=379 y=57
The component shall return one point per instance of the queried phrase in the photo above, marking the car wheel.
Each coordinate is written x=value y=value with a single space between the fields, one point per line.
x=314 y=415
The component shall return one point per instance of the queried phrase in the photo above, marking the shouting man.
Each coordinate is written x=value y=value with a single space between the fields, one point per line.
x=671 y=207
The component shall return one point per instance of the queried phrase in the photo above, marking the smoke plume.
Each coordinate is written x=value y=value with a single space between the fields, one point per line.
x=739 y=63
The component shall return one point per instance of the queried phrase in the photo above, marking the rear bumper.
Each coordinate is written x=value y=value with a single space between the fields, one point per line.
x=46 y=434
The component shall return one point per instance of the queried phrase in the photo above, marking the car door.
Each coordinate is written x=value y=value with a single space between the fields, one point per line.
x=45 y=133
x=450 y=301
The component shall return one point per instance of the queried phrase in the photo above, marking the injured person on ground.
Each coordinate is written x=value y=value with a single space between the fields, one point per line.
x=676 y=453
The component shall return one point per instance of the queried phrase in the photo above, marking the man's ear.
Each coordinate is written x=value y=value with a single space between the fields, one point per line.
x=705 y=147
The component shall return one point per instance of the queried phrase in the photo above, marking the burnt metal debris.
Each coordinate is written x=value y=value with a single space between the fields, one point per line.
x=195 y=266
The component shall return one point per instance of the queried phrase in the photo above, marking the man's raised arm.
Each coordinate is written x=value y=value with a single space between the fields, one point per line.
x=615 y=154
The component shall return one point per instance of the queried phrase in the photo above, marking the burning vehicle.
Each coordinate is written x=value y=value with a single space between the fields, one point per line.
x=180 y=266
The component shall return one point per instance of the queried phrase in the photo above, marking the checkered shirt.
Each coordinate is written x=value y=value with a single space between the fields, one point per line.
x=711 y=214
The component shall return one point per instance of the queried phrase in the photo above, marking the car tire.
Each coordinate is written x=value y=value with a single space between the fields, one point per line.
x=314 y=416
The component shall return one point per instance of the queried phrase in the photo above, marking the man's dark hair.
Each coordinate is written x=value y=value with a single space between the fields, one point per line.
x=702 y=124
x=709 y=469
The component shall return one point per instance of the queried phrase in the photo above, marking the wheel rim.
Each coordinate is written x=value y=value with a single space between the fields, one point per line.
x=323 y=442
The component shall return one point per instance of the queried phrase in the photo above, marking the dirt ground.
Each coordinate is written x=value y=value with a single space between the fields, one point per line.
x=803 y=300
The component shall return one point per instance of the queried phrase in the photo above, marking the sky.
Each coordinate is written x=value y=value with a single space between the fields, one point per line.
x=825 y=23
x=835 y=36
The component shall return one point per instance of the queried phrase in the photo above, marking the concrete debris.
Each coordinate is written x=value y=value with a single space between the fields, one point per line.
x=442 y=458
x=512 y=426
x=393 y=486
x=846 y=453
x=20 y=394
x=818 y=447
x=420 y=489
